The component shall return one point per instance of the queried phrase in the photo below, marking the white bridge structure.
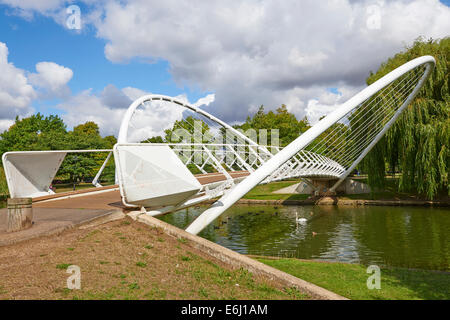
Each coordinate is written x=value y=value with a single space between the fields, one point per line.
x=212 y=160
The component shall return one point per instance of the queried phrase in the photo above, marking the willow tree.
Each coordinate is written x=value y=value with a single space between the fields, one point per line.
x=417 y=145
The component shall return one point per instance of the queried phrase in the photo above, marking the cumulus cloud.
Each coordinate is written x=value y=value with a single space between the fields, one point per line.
x=52 y=78
x=87 y=106
x=19 y=88
x=41 y=5
x=266 y=51
x=205 y=101
x=16 y=93
x=108 y=108
x=249 y=53
x=27 y=8
x=114 y=98
x=5 y=124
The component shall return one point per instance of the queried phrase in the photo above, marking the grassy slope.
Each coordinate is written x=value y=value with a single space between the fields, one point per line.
x=125 y=260
x=349 y=280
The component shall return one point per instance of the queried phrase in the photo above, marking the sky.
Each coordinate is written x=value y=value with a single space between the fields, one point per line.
x=309 y=55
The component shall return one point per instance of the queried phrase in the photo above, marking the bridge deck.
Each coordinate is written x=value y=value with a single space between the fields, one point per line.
x=108 y=197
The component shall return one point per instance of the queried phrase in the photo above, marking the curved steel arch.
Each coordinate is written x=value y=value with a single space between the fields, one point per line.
x=309 y=136
x=123 y=132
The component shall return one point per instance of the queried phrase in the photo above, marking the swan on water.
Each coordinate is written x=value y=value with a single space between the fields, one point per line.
x=300 y=220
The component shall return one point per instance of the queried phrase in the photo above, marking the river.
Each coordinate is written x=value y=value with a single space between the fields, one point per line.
x=413 y=237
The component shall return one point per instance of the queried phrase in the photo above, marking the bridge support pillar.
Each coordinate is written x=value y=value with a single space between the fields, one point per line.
x=20 y=214
x=321 y=187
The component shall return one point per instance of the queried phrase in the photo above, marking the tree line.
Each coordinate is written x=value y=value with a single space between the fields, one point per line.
x=39 y=132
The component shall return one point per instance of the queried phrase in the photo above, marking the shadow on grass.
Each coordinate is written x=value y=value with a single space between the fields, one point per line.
x=427 y=285
x=350 y=280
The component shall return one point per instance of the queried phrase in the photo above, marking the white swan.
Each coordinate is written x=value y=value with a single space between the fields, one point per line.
x=300 y=220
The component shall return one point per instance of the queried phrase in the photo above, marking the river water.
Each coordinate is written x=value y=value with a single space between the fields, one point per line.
x=390 y=236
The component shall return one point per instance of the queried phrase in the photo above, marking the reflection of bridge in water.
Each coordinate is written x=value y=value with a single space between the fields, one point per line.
x=159 y=178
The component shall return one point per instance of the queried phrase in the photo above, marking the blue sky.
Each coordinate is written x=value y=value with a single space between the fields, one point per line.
x=41 y=39
x=247 y=54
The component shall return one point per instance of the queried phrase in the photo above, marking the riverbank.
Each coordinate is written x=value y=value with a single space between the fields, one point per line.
x=125 y=260
x=264 y=195
x=342 y=201
x=350 y=280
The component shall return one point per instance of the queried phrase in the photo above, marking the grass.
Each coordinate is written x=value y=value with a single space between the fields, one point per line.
x=350 y=280
x=63 y=266
x=141 y=264
x=264 y=192
x=126 y=270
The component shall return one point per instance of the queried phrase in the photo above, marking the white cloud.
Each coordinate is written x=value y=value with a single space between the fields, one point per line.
x=266 y=51
x=5 y=124
x=27 y=8
x=205 y=101
x=16 y=93
x=40 y=6
x=133 y=93
x=52 y=78
x=106 y=110
x=115 y=98
x=19 y=89
x=87 y=106
x=248 y=53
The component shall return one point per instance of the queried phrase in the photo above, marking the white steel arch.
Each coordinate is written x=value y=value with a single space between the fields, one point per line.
x=305 y=139
x=123 y=132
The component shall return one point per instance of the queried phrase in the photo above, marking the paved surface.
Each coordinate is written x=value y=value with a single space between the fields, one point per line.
x=49 y=221
x=215 y=177
x=109 y=200
x=55 y=213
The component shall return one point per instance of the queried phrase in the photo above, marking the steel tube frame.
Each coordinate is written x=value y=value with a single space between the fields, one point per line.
x=305 y=139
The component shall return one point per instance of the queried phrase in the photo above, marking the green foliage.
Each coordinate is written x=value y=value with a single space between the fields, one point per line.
x=287 y=124
x=418 y=143
x=157 y=139
x=34 y=133
x=49 y=133
x=189 y=130
x=3 y=185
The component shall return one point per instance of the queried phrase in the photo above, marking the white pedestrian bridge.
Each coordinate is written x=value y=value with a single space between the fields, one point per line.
x=212 y=160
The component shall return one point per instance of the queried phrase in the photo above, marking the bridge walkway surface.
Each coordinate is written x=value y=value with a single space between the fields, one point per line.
x=57 y=212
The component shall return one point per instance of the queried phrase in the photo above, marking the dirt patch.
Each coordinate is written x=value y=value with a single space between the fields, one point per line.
x=125 y=260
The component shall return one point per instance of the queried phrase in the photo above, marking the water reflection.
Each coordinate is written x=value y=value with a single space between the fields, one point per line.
x=395 y=236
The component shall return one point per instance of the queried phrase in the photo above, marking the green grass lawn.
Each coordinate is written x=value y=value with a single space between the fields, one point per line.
x=349 y=280
x=264 y=192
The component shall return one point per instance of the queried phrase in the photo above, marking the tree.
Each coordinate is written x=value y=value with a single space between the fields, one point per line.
x=189 y=130
x=417 y=145
x=284 y=121
x=49 y=133
x=80 y=166
x=110 y=168
x=157 y=139
x=34 y=133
